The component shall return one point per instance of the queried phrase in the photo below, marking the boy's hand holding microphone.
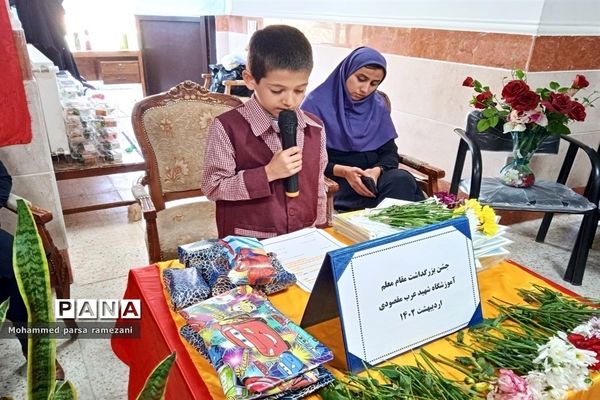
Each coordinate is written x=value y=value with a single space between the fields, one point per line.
x=286 y=163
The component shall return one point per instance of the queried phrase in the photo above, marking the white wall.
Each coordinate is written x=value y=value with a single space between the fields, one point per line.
x=180 y=8
x=531 y=17
x=31 y=169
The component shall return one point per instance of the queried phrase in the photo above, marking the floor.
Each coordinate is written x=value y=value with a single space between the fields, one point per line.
x=104 y=245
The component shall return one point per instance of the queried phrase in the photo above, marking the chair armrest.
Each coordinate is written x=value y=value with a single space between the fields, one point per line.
x=142 y=196
x=149 y=214
x=207 y=80
x=426 y=174
x=229 y=84
x=331 y=186
x=40 y=215
x=423 y=167
x=593 y=189
x=11 y=203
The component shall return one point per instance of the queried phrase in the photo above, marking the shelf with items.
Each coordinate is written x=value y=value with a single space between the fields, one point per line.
x=122 y=66
x=96 y=134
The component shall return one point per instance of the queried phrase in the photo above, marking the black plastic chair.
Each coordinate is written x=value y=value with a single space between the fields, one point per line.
x=546 y=197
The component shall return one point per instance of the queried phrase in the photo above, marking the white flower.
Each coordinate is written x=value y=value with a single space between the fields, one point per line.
x=473 y=219
x=559 y=352
x=562 y=367
x=589 y=329
x=518 y=120
x=541 y=389
x=537 y=116
x=514 y=127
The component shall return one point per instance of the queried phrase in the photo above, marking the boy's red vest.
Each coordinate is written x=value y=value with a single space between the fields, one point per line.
x=275 y=214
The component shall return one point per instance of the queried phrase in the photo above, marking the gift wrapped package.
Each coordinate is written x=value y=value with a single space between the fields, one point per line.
x=254 y=348
x=185 y=286
x=234 y=261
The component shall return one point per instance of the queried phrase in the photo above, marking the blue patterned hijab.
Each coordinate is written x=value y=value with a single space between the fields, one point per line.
x=363 y=125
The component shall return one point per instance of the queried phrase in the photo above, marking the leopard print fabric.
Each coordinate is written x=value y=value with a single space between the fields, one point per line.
x=185 y=286
x=282 y=280
x=194 y=339
x=210 y=257
x=202 y=253
x=222 y=285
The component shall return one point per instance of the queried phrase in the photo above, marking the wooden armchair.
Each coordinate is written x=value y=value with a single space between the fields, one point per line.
x=171 y=129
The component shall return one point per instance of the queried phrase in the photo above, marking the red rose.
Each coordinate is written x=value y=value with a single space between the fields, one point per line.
x=577 y=111
x=482 y=100
x=580 y=82
x=468 y=82
x=526 y=101
x=559 y=102
x=514 y=89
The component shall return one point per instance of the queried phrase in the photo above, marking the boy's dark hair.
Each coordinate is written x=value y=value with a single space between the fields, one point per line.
x=278 y=47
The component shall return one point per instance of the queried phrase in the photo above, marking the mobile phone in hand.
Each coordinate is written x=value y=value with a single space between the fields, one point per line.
x=369 y=183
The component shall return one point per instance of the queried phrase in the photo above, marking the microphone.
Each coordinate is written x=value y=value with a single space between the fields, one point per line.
x=288 y=123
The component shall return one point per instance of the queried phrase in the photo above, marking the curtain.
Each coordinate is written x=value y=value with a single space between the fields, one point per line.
x=15 y=122
x=44 y=25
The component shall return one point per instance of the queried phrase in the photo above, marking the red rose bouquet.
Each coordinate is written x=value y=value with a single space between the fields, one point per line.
x=523 y=109
x=531 y=116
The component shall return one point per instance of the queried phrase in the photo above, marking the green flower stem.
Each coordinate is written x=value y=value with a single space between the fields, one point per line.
x=529 y=141
x=413 y=215
x=446 y=361
x=521 y=318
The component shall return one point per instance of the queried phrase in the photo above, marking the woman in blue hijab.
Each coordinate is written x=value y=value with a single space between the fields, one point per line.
x=360 y=134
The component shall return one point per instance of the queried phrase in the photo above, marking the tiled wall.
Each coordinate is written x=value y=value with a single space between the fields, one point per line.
x=31 y=169
x=426 y=68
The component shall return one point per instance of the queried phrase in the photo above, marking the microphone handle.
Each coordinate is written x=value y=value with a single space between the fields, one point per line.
x=288 y=139
x=291 y=186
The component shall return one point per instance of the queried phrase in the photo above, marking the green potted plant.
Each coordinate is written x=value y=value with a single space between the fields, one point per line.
x=32 y=273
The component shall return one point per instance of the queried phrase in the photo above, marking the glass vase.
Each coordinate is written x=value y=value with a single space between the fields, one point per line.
x=517 y=172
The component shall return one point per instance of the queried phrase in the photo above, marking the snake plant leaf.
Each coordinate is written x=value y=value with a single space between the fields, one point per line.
x=33 y=279
x=65 y=391
x=155 y=386
x=4 y=309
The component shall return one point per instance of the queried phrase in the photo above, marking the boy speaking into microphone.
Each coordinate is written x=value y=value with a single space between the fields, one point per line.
x=248 y=171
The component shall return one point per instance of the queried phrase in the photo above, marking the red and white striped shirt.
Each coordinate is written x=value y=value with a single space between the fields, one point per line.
x=220 y=181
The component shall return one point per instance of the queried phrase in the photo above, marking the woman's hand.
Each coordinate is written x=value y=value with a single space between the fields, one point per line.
x=352 y=175
x=284 y=163
x=374 y=173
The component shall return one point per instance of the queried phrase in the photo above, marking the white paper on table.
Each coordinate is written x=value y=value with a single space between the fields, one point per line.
x=367 y=227
x=491 y=246
x=388 y=202
x=302 y=253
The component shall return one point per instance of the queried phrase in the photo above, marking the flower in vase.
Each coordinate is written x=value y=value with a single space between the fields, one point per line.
x=548 y=109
